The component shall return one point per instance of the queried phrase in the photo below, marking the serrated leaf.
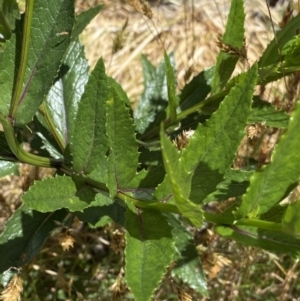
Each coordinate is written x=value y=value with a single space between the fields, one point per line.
x=63 y=98
x=234 y=36
x=291 y=219
x=188 y=266
x=273 y=182
x=271 y=55
x=211 y=150
x=180 y=182
x=24 y=235
x=60 y=192
x=265 y=113
x=276 y=242
x=123 y=155
x=149 y=251
x=90 y=143
x=83 y=19
x=46 y=49
x=171 y=84
x=150 y=109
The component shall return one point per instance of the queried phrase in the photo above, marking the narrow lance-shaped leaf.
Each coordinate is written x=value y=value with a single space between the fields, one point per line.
x=52 y=194
x=24 y=235
x=83 y=19
x=269 y=240
x=180 y=182
x=271 y=54
x=171 y=87
x=49 y=38
x=233 y=36
x=149 y=251
x=273 y=182
x=123 y=154
x=211 y=150
x=90 y=143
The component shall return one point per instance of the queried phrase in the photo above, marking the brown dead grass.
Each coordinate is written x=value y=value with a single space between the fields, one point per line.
x=188 y=30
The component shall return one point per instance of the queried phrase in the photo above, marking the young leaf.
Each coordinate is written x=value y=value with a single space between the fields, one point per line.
x=63 y=98
x=171 y=84
x=233 y=36
x=24 y=235
x=180 y=182
x=154 y=100
x=45 y=47
x=264 y=112
x=149 y=251
x=273 y=182
x=90 y=143
x=123 y=155
x=211 y=150
x=52 y=194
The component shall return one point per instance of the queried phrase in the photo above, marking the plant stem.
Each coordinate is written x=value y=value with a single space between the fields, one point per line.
x=23 y=60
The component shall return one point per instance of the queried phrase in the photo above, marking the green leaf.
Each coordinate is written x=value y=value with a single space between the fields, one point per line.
x=64 y=96
x=150 y=109
x=9 y=12
x=171 y=84
x=265 y=113
x=123 y=154
x=8 y=59
x=103 y=206
x=197 y=89
x=271 y=54
x=180 y=182
x=211 y=150
x=276 y=242
x=273 y=182
x=5 y=152
x=90 y=143
x=234 y=185
x=188 y=266
x=84 y=19
x=8 y=168
x=149 y=251
x=24 y=235
x=291 y=219
x=234 y=36
x=46 y=49
x=60 y=192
